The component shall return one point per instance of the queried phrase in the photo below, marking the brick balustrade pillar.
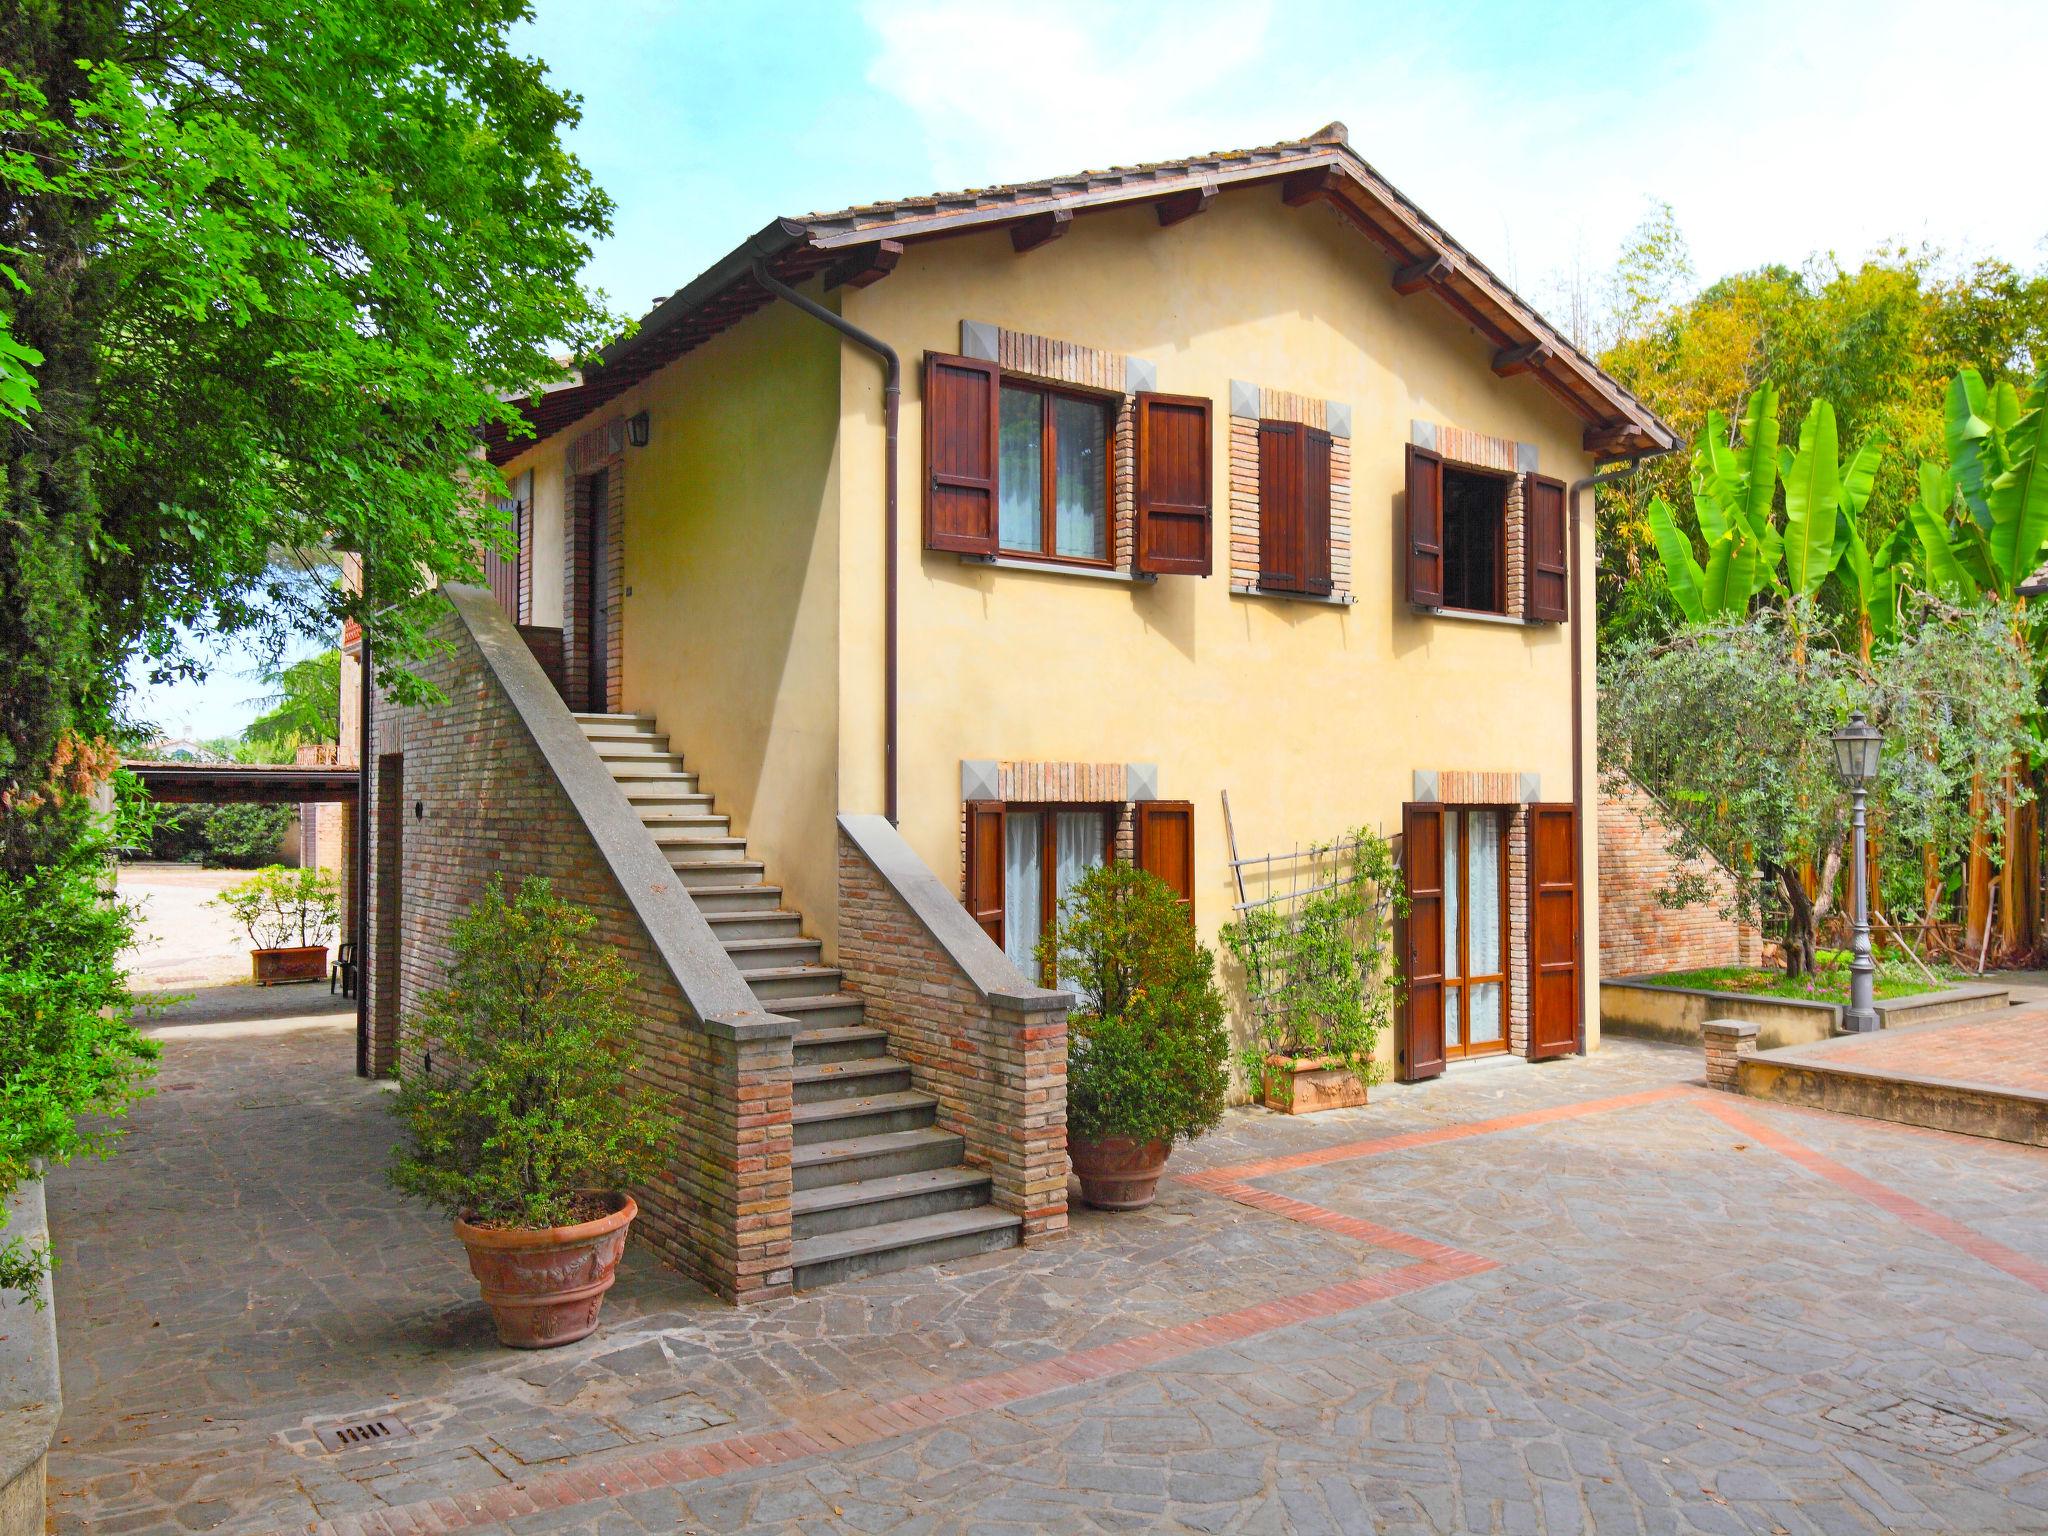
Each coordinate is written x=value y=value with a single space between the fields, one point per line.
x=1728 y=1041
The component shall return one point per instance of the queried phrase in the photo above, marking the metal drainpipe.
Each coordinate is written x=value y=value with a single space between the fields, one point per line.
x=892 y=392
x=362 y=869
x=1599 y=477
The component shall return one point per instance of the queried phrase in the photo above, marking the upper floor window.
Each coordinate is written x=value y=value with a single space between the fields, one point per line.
x=1294 y=508
x=1054 y=473
x=1475 y=540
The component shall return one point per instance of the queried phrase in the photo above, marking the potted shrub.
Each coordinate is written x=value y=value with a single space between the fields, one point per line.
x=521 y=1091
x=1147 y=1048
x=289 y=915
x=1319 y=976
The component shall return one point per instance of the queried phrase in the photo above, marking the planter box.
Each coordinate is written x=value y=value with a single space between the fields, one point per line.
x=274 y=967
x=1644 y=1007
x=1302 y=1085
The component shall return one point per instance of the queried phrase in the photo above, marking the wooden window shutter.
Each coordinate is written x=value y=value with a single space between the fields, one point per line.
x=1315 y=510
x=985 y=852
x=961 y=395
x=1281 y=556
x=1421 y=938
x=501 y=571
x=1545 y=531
x=1553 y=930
x=1425 y=527
x=1174 y=499
x=1166 y=846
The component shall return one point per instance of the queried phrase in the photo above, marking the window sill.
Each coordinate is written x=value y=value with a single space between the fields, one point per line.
x=1473 y=616
x=1058 y=568
x=1333 y=600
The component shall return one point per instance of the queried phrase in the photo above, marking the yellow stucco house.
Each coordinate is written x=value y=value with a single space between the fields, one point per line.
x=1173 y=512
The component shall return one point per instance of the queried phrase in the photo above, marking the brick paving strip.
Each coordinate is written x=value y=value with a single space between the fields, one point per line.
x=1435 y=1264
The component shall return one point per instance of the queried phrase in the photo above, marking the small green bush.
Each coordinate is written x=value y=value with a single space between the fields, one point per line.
x=1147 y=1047
x=280 y=908
x=244 y=836
x=523 y=1094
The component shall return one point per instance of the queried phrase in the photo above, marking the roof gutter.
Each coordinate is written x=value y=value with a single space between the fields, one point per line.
x=892 y=391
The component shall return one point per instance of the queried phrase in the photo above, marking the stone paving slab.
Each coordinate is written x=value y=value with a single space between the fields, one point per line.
x=1586 y=1295
x=2007 y=1050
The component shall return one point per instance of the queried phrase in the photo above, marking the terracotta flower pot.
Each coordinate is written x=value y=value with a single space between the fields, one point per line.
x=1117 y=1173
x=271 y=967
x=545 y=1286
x=1301 y=1085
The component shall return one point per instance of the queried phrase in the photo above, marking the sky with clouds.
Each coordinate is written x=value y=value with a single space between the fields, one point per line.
x=1537 y=135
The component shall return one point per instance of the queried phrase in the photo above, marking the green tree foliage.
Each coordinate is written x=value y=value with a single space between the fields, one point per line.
x=305 y=708
x=522 y=1091
x=1147 y=1046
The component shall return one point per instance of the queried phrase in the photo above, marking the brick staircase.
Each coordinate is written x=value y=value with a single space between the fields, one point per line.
x=878 y=1186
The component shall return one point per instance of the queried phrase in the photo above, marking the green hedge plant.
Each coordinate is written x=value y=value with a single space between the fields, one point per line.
x=280 y=908
x=521 y=1088
x=1147 y=1046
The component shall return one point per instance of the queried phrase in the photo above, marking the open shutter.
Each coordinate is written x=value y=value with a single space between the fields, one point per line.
x=1166 y=846
x=522 y=492
x=985 y=866
x=1173 y=485
x=1422 y=941
x=961 y=395
x=501 y=571
x=1547 y=579
x=1315 y=510
x=1280 y=535
x=1553 y=930
x=1425 y=527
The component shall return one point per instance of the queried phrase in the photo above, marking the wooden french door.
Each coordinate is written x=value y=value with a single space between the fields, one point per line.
x=1475 y=932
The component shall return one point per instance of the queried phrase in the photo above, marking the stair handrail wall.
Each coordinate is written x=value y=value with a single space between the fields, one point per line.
x=988 y=1044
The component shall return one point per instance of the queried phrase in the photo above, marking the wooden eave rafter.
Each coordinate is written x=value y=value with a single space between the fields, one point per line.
x=1040 y=229
x=1184 y=205
x=864 y=265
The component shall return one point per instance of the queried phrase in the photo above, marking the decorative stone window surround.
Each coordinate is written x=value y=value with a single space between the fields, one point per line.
x=1111 y=374
x=603 y=447
x=1464 y=449
x=1249 y=405
x=1514 y=792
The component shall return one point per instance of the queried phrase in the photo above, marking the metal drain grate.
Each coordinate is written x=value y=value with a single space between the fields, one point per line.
x=359 y=1432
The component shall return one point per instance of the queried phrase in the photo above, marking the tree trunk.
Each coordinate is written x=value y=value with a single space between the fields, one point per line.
x=1977 y=874
x=1799 y=923
x=2019 y=894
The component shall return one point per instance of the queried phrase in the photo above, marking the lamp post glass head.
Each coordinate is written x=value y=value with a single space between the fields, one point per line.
x=1856 y=749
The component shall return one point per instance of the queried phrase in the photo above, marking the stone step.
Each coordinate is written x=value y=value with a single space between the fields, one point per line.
x=792 y=981
x=898 y=1197
x=631 y=749
x=711 y=872
x=706 y=849
x=603 y=722
x=816 y=1081
x=657 y=766
x=680 y=792
x=736 y=900
x=837 y=1256
x=760 y=923
x=837 y=1042
x=832 y=1010
x=815 y=1165
x=845 y=1119
x=667 y=822
x=788 y=952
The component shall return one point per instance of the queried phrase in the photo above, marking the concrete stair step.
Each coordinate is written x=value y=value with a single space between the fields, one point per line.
x=669 y=822
x=633 y=749
x=656 y=766
x=838 y=1042
x=854 y=1077
x=897 y=1197
x=844 y=1119
x=781 y=953
x=792 y=981
x=825 y=1010
x=702 y=872
x=680 y=792
x=706 y=850
x=590 y=720
x=919 y=1240
x=769 y=923
x=737 y=900
x=817 y=1164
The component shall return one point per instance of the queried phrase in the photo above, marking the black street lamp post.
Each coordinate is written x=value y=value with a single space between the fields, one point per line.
x=1857 y=745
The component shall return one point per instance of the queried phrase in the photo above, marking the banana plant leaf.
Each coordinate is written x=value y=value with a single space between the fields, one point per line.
x=1682 y=572
x=1966 y=423
x=1929 y=514
x=1813 y=497
x=2018 y=498
x=1731 y=575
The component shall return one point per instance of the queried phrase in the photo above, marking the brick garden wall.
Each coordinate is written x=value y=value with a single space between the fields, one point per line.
x=1638 y=937
x=479 y=799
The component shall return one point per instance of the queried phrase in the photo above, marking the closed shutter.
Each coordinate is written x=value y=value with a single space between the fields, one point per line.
x=1553 y=930
x=1425 y=527
x=522 y=492
x=985 y=866
x=1281 y=555
x=1544 y=535
x=960 y=399
x=1173 y=485
x=1166 y=846
x=501 y=571
x=1422 y=942
x=1315 y=510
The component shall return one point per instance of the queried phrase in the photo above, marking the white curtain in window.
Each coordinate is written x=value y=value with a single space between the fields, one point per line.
x=1483 y=939
x=1080 y=469
x=1079 y=836
x=1453 y=898
x=1021 y=473
x=1022 y=908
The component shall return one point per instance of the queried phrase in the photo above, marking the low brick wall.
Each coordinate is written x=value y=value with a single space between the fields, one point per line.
x=31 y=1401
x=497 y=780
x=1637 y=935
x=978 y=1037
x=1647 y=1010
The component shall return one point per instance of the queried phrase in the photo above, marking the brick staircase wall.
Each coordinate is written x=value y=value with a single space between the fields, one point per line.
x=1639 y=937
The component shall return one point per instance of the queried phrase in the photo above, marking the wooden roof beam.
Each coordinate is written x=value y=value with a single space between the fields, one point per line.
x=1617 y=436
x=1040 y=229
x=1425 y=273
x=864 y=265
x=1307 y=186
x=1509 y=361
x=1184 y=205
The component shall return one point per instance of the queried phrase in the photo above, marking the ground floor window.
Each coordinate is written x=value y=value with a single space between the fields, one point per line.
x=1475 y=933
x=1046 y=849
